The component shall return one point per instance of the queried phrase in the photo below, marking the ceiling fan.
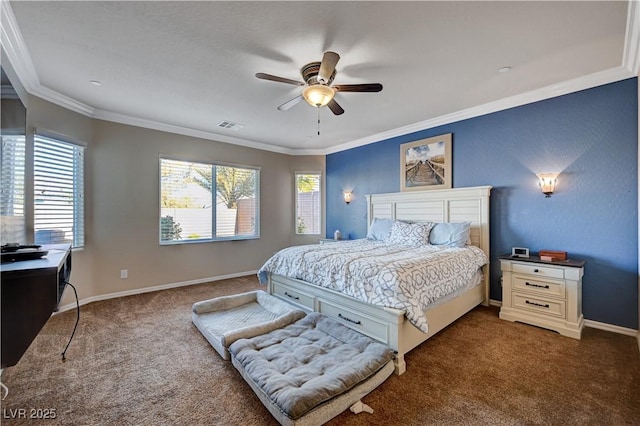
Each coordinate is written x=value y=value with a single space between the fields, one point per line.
x=318 y=91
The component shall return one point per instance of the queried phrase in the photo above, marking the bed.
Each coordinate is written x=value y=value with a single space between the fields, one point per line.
x=396 y=324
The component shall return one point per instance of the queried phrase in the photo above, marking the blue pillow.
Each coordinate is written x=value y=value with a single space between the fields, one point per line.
x=450 y=234
x=379 y=229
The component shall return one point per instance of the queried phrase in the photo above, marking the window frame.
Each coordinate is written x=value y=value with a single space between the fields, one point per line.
x=254 y=236
x=295 y=206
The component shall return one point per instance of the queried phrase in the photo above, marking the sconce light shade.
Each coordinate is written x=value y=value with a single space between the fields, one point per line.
x=347 y=196
x=318 y=95
x=548 y=183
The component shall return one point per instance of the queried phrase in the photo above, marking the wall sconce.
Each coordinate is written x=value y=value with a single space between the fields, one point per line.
x=548 y=183
x=347 y=196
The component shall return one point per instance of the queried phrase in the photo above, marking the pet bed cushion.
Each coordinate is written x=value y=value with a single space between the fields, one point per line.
x=310 y=371
x=224 y=320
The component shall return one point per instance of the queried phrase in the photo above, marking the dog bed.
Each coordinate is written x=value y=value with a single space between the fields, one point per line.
x=224 y=320
x=310 y=371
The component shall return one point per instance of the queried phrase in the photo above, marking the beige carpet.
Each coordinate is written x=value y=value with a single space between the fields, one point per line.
x=140 y=361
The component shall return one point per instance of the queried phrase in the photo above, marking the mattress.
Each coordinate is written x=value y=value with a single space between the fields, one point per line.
x=409 y=278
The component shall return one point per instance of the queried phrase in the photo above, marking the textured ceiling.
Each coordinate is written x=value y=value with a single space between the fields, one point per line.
x=191 y=65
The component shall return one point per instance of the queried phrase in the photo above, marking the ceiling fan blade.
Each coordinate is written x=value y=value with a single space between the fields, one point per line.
x=368 y=87
x=334 y=107
x=328 y=66
x=289 y=104
x=275 y=78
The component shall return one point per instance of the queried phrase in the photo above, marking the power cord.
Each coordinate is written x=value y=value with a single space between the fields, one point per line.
x=77 y=321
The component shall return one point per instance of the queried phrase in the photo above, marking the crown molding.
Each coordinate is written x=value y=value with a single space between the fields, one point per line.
x=18 y=55
x=186 y=131
x=15 y=49
x=552 y=91
x=631 y=54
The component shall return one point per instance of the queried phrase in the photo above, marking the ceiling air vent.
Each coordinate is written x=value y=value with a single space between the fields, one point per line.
x=230 y=125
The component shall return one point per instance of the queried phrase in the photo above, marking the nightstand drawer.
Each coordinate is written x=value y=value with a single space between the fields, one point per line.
x=540 y=305
x=544 y=287
x=359 y=322
x=292 y=296
x=538 y=270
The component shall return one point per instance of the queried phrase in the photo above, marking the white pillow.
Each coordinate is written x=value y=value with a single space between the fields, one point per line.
x=414 y=234
x=379 y=229
x=450 y=234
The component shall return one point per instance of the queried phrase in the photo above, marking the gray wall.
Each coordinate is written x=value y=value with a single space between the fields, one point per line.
x=122 y=205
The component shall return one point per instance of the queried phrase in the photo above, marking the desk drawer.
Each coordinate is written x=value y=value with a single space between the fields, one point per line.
x=554 y=288
x=549 y=307
x=538 y=270
x=292 y=296
x=360 y=322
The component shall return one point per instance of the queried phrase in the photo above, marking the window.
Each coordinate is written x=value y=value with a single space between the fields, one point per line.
x=58 y=186
x=208 y=202
x=308 y=200
x=12 y=155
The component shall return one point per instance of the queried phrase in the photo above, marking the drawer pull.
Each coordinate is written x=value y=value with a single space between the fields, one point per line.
x=536 y=285
x=291 y=296
x=536 y=270
x=349 y=319
x=537 y=304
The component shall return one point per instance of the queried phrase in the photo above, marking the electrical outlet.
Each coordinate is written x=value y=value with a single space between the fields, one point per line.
x=124 y=274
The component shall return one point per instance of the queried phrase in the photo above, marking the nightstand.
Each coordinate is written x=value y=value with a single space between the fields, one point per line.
x=541 y=293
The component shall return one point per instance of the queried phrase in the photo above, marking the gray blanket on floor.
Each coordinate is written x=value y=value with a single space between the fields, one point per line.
x=309 y=362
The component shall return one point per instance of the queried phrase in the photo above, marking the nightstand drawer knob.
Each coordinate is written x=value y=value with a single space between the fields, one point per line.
x=537 y=304
x=536 y=270
x=536 y=285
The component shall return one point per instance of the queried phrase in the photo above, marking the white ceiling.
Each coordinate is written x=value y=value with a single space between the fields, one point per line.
x=186 y=66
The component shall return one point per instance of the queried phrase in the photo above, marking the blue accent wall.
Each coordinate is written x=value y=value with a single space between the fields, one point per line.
x=590 y=137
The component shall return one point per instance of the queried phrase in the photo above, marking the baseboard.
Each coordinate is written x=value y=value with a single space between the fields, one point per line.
x=610 y=327
x=595 y=324
x=154 y=288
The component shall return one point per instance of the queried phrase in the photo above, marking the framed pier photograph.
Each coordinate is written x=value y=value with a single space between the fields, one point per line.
x=426 y=164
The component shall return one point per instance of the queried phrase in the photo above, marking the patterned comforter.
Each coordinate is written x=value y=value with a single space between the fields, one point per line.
x=391 y=275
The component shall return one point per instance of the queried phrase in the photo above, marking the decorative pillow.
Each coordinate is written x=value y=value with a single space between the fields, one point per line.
x=415 y=234
x=379 y=229
x=450 y=234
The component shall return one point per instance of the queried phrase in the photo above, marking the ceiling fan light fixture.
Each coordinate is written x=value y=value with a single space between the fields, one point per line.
x=318 y=95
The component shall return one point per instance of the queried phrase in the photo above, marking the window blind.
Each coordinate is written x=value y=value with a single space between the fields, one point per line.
x=58 y=192
x=12 y=160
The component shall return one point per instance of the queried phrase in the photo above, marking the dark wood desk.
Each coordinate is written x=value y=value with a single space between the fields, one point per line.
x=31 y=291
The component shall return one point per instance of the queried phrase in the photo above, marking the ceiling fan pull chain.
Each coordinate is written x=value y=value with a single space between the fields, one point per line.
x=318 y=121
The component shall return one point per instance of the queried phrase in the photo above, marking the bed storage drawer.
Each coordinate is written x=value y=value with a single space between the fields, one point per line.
x=293 y=296
x=358 y=321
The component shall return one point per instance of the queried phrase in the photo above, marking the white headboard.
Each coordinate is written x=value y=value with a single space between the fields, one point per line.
x=440 y=205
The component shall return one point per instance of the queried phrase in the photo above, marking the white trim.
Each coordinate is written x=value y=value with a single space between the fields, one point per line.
x=610 y=327
x=586 y=82
x=15 y=48
x=91 y=299
x=631 y=54
x=595 y=324
x=18 y=54
x=170 y=128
